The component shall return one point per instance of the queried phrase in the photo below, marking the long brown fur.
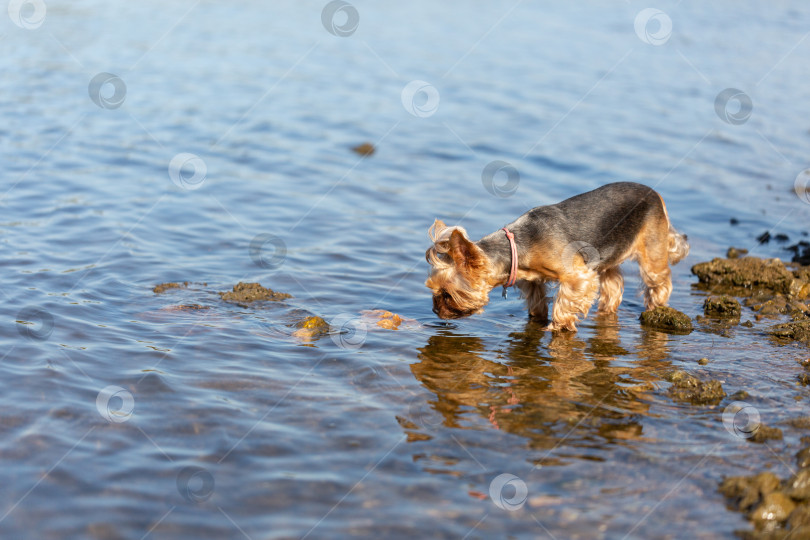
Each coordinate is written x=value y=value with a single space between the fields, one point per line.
x=578 y=243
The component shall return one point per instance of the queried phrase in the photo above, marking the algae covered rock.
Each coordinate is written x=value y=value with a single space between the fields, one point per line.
x=797 y=330
x=688 y=388
x=764 y=433
x=722 y=306
x=775 y=507
x=667 y=319
x=244 y=293
x=798 y=487
x=163 y=287
x=800 y=517
x=747 y=491
x=747 y=273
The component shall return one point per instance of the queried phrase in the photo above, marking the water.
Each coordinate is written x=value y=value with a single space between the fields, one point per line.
x=220 y=423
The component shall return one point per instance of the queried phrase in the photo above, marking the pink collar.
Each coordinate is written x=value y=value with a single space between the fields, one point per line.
x=513 y=270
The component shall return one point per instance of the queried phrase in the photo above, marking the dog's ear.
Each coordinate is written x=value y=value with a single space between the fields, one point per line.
x=466 y=255
x=435 y=230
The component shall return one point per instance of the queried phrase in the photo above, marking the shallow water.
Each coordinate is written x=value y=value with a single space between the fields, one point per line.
x=126 y=415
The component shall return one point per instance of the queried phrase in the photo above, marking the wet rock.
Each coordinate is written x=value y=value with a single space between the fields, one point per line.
x=800 y=517
x=690 y=389
x=740 y=395
x=667 y=319
x=311 y=328
x=764 y=238
x=798 y=487
x=803 y=458
x=244 y=293
x=801 y=422
x=365 y=149
x=798 y=311
x=781 y=238
x=797 y=331
x=764 y=433
x=747 y=273
x=775 y=507
x=166 y=286
x=703 y=361
x=735 y=253
x=722 y=306
x=775 y=306
x=747 y=491
x=747 y=324
x=801 y=532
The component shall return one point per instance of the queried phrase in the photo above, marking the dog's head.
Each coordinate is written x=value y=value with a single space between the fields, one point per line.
x=459 y=273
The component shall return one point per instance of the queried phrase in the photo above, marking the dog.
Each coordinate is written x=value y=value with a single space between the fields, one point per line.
x=578 y=243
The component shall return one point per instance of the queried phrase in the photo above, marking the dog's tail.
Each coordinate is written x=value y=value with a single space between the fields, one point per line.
x=678 y=247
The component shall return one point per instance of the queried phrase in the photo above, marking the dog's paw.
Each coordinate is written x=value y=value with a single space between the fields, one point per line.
x=558 y=327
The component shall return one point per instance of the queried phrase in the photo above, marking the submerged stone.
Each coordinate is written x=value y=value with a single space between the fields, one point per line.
x=688 y=388
x=365 y=149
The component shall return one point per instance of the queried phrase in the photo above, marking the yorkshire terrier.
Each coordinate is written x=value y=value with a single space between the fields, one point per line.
x=578 y=243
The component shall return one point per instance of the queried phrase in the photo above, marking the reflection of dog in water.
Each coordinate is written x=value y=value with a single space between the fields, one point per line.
x=579 y=243
x=540 y=386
